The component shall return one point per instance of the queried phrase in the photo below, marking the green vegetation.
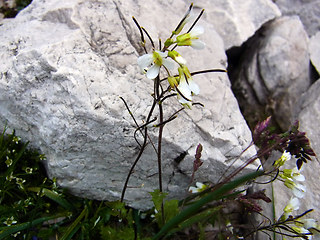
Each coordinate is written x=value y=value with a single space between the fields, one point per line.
x=12 y=11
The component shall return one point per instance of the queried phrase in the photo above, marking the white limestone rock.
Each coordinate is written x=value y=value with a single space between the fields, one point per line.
x=64 y=66
x=314 y=51
x=237 y=20
x=308 y=114
x=275 y=68
x=307 y=10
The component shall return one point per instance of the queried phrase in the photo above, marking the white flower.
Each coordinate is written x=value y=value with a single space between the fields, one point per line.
x=291 y=177
x=187 y=87
x=293 y=205
x=10 y=221
x=297 y=189
x=151 y=63
x=199 y=188
x=293 y=174
x=192 y=38
x=286 y=156
x=308 y=223
x=177 y=57
x=303 y=231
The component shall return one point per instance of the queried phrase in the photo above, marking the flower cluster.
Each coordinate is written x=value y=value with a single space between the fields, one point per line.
x=292 y=178
x=307 y=228
x=182 y=83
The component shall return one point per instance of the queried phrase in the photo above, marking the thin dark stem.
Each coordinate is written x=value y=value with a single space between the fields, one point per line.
x=144 y=144
x=195 y=22
x=270 y=181
x=140 y=129
x=236 y=159
x=152 y=43
x=168 y=96
x=159 y=155
x=183 y=19
x=208 y=71
x=143 y=42
x=200 y=72
x=134 y=119
x=166 y=121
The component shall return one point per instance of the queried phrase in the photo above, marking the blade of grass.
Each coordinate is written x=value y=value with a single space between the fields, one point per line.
x=74 y=226
x=194 y=208
x=55 y=197
x=6 y=231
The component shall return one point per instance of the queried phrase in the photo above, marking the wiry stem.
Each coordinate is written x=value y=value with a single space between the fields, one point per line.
x=144 y=144
x=158 y=96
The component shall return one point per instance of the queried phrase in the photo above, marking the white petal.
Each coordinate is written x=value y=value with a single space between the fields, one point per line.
x=162 y=54
x=299 y=191
x=145 y=61
x=184 y=89
x=197 y=31
x=299 y=178
x=194 y=87
x=309 y=223
x=199 y=185
x=181 y=60
x=294 y=203
x=168 y=63
x=193 y=189
x=197 y=44
x=153 y=72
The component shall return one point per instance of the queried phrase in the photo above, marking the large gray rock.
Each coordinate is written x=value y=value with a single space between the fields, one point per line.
x=238 y=20
x=314 y=50
x=308 y=114
x=307 y=10
x=274 y=71
x=307 y=111
x=64 y=66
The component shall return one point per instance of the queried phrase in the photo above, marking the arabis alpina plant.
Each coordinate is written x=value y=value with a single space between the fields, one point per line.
x=151 y=63
x=178 y=82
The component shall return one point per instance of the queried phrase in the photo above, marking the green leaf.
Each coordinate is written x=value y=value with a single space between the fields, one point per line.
x=6 y=231
x=200 y=217
x=54 y=196
x=73 y=228
x=215 y=195
x=157 y=198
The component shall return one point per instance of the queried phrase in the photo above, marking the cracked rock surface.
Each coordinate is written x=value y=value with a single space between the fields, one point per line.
x=67 y=63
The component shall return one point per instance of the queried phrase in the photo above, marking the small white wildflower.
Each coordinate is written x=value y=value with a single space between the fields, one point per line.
x=151 y=63
x=308 y=223
x=292 y=177
x=199 y=188
x=303 y=231
x=192 y=38
x=8 y=161
x=292 y=205
x=187 y=87
x=10 y=221
x=177 y=57
x=286 y=156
